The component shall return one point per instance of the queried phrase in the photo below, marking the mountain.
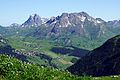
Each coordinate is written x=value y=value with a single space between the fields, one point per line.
x=14 y=25
x=68 y=24
x=114 y=26
x=13 y=29
x=58 y=42
x=80 y=24
x=34 y=21
x=102 y=61
x=66 y=30
x=114 y=23
x=76 y=29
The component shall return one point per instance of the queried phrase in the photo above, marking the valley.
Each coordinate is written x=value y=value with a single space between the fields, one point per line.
x=77 y=42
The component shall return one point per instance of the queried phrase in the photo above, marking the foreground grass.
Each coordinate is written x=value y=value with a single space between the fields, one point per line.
x=13 y=69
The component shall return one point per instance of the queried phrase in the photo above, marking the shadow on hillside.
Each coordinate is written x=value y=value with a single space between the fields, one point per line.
x=71 y=51
x=8 y=50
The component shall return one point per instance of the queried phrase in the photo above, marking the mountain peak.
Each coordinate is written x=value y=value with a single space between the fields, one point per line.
x=84 y=13
x=68 y=19
x=73 y=19
x=64 y=14
x=34 y=21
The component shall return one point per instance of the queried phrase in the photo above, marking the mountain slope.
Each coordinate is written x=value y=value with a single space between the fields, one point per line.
x=101 y=61
x=68 y=24
x=5 y=48
x=114 y=26
x=76 y=29
x=13 y=69
x=80 y=24
x=66 y=30
x=46 y=53
x=30 y=56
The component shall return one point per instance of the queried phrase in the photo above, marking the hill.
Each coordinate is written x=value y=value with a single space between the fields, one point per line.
x=13 y=69
x=101 y=61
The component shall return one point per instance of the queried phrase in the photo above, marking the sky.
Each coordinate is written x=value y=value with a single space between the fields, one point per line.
x=18 y=11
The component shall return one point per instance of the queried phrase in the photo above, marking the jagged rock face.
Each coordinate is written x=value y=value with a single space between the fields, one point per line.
x=72 y=19
x=34 y=21
x=101 y=61
x=80 y=24
x=68 y=24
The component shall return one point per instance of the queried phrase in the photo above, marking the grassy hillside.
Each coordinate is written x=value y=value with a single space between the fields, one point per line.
x=35 y=49
x=55 y=53
x=13 y=69
x=102 y=61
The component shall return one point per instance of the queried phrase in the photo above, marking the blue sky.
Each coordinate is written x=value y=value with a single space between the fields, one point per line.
x=17 y=11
